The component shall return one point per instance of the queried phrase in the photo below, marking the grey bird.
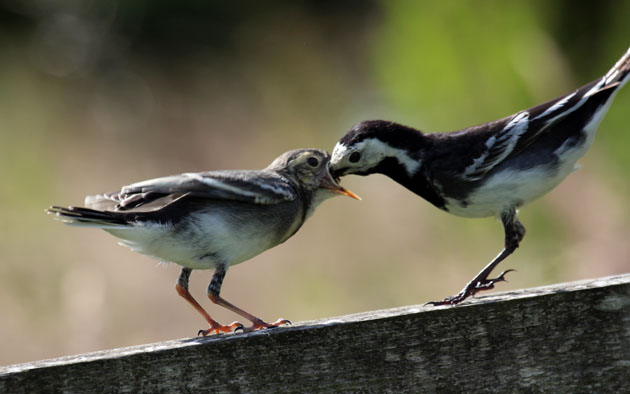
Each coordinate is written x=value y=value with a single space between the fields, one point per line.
x=487 y=170
x=212 y=220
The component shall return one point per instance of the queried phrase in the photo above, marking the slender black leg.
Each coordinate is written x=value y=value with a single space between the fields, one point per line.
x=182 y=289
x=214 y=288
x=514 y=233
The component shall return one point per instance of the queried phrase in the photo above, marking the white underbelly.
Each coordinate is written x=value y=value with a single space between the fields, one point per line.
x=212 y=243
x=510 y=189
x=515 y=188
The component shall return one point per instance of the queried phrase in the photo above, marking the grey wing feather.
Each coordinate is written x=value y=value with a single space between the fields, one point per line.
x=527 y=126
x=498 y=147
x=259 y=187
x=523 y=129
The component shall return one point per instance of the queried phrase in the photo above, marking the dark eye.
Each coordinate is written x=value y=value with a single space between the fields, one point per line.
x=354 y=157
x=312 y=161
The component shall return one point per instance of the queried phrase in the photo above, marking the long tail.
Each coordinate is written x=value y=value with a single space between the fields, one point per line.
x=620 y=73
x=598 y=94
x=85 y=217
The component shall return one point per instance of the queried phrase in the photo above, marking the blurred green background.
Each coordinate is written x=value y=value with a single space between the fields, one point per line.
x=97 y=94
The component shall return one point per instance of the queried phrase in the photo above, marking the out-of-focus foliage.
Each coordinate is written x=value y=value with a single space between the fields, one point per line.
x=487 y=61
x=94 y=95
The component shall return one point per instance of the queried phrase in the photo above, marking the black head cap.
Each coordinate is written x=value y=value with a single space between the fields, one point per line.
x=391 y=133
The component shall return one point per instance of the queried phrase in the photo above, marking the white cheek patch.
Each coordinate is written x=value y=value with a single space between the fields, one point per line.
x=373 y=151
x=338 y=153
x=376 y=150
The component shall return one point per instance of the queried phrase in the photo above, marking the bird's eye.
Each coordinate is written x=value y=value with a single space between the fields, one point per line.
x=312 y=161
x=354 y=157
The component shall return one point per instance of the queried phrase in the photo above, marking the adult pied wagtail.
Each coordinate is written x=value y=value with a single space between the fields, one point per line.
x=213 y=219
x=487 y=170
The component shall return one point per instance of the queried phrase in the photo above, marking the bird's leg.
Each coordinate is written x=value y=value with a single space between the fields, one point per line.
x=514 y=233
x=214 y=288
x=182 y=289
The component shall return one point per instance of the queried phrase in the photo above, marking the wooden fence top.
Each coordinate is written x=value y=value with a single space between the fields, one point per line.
x=570 y=337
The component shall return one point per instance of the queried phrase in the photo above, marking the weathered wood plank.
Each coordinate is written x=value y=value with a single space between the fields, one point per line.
x=572 y=337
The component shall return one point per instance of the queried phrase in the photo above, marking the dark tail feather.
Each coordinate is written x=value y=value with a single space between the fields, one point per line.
x=78 y=216
x=620 y=73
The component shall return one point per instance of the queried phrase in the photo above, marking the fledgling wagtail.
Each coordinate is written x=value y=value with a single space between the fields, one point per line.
x=487 y=170
x=213 y=219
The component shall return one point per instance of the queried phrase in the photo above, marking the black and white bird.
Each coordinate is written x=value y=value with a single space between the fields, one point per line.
x=487 y=170
x=213 y=219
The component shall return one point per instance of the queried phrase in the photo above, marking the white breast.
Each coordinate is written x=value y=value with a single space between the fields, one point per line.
x=512 y=189
x=507 y=189
x=213 y=239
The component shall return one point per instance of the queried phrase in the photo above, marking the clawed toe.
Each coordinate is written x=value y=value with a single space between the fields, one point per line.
x=281 y=322
x=471 y=289
x=452 y=300
x=501 y=278
x=221 y=329
x=488 y=284
x=260 y=325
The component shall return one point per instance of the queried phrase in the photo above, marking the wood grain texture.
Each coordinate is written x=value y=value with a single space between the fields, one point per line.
x=571 y=337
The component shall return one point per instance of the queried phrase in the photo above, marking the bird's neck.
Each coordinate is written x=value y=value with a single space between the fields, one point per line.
x=418 y=182
x=405 y=149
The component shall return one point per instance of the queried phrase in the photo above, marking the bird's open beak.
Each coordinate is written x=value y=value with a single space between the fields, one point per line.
x=333 y=185
x=337 y=172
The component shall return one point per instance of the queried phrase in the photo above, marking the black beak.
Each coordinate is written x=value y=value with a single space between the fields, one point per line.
x=337 y=173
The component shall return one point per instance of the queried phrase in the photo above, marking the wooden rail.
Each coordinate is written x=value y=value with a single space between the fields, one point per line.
x=571 y=337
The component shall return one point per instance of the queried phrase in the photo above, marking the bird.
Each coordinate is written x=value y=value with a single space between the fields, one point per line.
x=491 y=169
x=213 y=219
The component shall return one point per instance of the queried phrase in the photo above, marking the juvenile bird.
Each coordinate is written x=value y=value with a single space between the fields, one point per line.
x=213 y=219
x=487 y=170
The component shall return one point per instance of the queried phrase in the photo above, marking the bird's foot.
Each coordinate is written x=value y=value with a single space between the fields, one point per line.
x=472 y=288
x=216 y=328
x=259 y=325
